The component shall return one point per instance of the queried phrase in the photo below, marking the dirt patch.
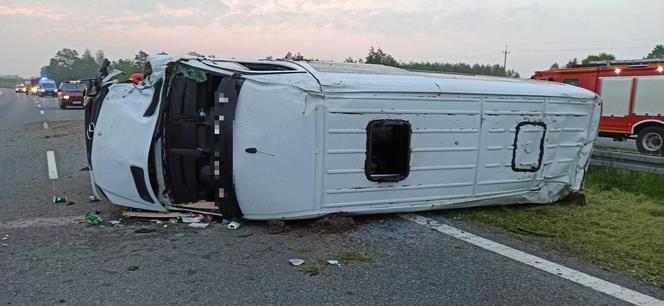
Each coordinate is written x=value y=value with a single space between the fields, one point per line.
x=56 y=129
x=333 y=224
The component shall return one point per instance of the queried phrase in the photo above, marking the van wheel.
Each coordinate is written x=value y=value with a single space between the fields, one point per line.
x=62 y=106
x=651 y=140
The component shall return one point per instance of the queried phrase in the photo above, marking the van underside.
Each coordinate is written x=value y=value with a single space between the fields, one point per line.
x=197 y=142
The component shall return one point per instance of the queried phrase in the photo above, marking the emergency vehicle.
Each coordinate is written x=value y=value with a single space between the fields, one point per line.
x=633 y=97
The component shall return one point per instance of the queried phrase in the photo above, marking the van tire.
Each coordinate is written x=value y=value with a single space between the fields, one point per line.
x=651 y=140
x=62 y=106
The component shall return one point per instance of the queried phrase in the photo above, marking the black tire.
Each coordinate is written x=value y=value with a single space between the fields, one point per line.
x=651 y=140
x=62 y=106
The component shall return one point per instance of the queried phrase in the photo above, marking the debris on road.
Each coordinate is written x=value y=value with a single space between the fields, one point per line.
x=70 y=203
x=192 y=219
x=115 y=222
x=296 y=261
x=152 y=215
x=233 y=225
x=132 y=268
x=59 y=199
x=198 y=225
x=93 y=218
x=93 y=199
x=333 y=262
x=155 y=221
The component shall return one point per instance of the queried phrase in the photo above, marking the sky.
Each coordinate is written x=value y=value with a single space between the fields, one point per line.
x=537 y=33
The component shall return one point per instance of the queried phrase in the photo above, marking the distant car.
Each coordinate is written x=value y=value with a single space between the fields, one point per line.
x=20 y=88
x=70 y=93
x=47 y=88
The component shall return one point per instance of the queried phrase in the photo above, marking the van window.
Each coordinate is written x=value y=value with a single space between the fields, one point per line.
x=574 y=82
x=388 y=150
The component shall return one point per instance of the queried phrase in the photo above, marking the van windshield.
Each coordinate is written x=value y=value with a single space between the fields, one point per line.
x=47 y=85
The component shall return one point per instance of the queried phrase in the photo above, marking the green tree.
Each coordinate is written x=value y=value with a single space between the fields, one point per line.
x=554 y=66
x=657 y=52
x=349 y=60
x=380 y=57
x=572 y=63
x=196 y=54
x=599 y=57
x=141 y=61
x=294 y=57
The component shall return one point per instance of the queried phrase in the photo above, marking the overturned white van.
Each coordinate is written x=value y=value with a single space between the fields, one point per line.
x=293 y=140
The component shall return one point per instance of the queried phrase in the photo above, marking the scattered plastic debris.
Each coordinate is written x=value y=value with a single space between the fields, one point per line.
x=173 y=221
x=296 y=261
x=93 y=199
x=192 y=219
x=93 y=218
x=59 y=199
x=155 y=221
x=233 y=225
x=333 y=262
x=70 y=203
x=199 y=225
x=115 y=222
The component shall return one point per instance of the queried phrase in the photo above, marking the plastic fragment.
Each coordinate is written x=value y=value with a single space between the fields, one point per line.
x=93 y=218
x=59 y=199
x=115 y=222
x=296 y=261
x=192 y=219
x=233 y=225
x=198 y=225
x=155 y=221
x=333 y=262
x=93 y=199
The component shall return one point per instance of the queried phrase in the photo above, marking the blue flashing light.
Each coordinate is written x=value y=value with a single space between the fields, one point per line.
x=44 y=78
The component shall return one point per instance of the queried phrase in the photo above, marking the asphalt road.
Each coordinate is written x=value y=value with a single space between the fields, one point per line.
x=48 y=255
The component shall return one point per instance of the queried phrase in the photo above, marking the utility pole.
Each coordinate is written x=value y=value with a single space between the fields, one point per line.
x=506 y=52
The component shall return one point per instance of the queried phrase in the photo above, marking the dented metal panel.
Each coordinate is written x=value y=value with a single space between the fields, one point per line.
x=299 y=140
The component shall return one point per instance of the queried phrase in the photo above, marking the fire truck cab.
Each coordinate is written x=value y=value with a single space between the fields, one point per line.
x=633 y=97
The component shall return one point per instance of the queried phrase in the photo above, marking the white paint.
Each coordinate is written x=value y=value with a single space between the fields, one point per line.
x=578 y=277
x=52 y=167
x=45 y=125
x=41 y=112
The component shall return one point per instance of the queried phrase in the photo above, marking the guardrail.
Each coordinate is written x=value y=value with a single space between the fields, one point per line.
x=628 y=161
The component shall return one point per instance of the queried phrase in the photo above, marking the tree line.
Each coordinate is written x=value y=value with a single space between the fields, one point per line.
x=68 y=64
x=657 y=52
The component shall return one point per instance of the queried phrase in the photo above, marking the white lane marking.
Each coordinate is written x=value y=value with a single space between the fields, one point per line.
x=41 y=112
x=52 y=167
x=578 y=277
x=45 y=125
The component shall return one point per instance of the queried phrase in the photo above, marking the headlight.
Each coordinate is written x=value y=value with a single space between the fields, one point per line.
x=42 y=90
x=66 y=97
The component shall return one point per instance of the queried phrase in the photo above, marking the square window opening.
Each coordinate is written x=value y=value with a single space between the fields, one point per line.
x=388 y=150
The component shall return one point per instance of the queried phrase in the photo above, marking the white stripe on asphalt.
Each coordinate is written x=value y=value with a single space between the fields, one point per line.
x=52 y=167
x=581 y=278
x=41 y=112
x=45 y=125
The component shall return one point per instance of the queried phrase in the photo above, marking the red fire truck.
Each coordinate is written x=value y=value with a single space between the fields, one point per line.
x=633 y=98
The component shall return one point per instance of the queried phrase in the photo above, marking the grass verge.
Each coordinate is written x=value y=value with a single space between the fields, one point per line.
x=620 y=228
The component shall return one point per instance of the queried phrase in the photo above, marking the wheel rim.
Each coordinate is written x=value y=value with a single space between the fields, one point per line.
x=652 y=142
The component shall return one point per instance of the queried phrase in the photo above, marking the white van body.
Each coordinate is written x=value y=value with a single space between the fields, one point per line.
x=296 y=140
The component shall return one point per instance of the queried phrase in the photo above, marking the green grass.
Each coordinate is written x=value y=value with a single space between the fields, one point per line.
x=621 y=227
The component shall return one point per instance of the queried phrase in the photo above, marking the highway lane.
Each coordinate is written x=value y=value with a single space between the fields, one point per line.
x=49 y=257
